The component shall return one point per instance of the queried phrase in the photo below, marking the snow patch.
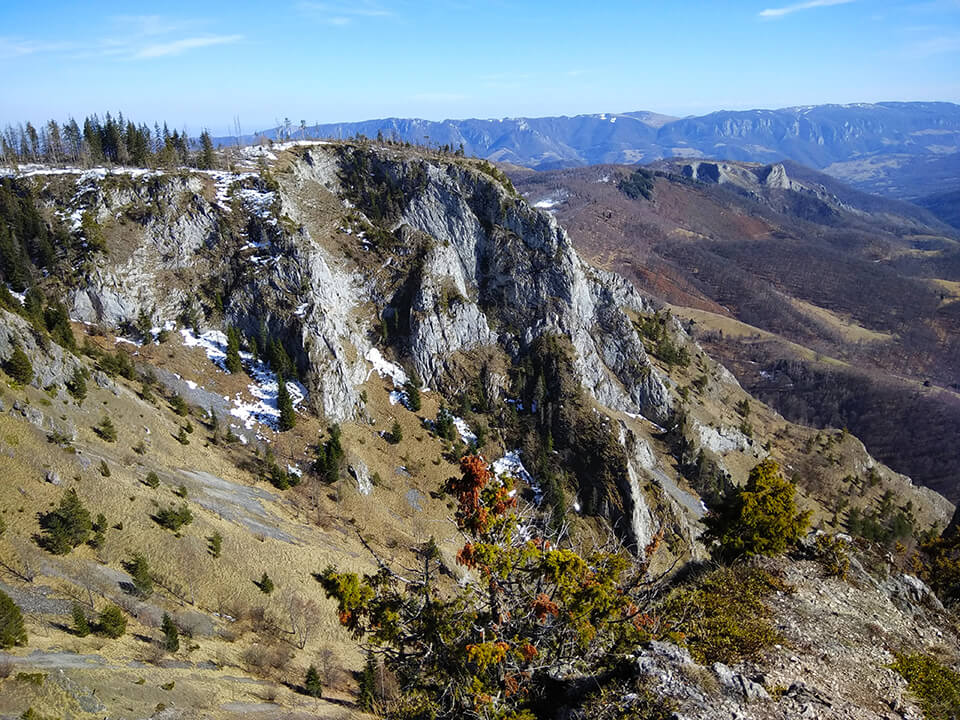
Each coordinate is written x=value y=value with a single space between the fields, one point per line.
x=262 y=409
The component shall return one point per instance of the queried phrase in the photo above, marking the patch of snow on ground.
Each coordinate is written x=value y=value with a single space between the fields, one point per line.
x=546 y=203
x=466 y=434
x=385 y=368
x=511 y=465
x=264 y=389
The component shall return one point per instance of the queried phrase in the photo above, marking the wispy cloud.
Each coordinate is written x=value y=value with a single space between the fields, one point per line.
x=178 y=47
x=770 y=13
x=17 y=47
x=131 y=37
x=934 y=45
x=340 y=14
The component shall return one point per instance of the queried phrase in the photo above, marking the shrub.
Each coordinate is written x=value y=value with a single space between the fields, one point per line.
x=215 y=544
x=66 y=527
x=19 y=366
x=758 y=519
x=179 y=405
x=494 y=648
x=112 y=623
x=106 y=430
x=104 y=468
x=81 y=626
x=182 y=437
x=174 y=518
x=265 y=584
x=311 y=684
x=831 y=552
x=152 y=480
x=722 y=615
x=936 y=686
x=171 y=635
x=12 y=631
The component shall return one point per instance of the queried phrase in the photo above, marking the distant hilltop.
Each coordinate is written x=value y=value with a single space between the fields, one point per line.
x=900 y=149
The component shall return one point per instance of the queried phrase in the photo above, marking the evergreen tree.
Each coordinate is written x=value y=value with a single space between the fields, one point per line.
x=12 y=631
x=311 y=684
x=412 y=388
x=171 y=635
x=66 y=527
x=367 y=692
x=19 y=366
x=106 y=429
x=288 y=418
x=139 y=571
x=77 y=385
x=112 y=623
x=206 y=159
x=233 y=351
x=396 y=433
x=760 y=518
x=81 y=626
x=265 y=584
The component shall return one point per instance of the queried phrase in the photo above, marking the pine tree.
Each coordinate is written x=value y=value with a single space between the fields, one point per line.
x=139 y=571
x=81 y=626
x=66 y=527
x=233 y=351
x=396 y=433
x=206 y=159
x=19 y=366
x=368 y=684
x=113 y=623
x=760 y=518
x=171 y=635
x=265 y=584
x=412 y=388
x=12 y=631
x=106 y=429
x=77 y=385
x=311 y=684
x=288 y=418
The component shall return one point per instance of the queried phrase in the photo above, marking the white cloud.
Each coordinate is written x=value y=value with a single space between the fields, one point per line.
x=177 y=47
x=809 y=4
x=337 y=13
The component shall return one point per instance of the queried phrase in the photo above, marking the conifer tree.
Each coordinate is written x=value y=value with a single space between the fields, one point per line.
x=12 y=631
x=233 y=351
x=367 y=693
x=113 y=623
x=171 y=635
x=66 y=527
x=81 y=626
x=206 y=159
x=77 y=385
x=19 y=366
x=139 y=571
x=288 y=418
x=311 y=684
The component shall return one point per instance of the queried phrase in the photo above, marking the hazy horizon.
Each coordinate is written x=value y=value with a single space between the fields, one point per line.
x=325 y=62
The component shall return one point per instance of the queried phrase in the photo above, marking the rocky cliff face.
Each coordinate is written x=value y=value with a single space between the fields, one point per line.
x=336 y=248
x=471 y=270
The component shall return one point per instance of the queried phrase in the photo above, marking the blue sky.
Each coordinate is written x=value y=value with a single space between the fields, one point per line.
x=203 y=63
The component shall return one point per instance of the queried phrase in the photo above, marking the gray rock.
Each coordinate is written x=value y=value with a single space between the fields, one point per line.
x=359 y=471
x=738 y=683
x=53 y=477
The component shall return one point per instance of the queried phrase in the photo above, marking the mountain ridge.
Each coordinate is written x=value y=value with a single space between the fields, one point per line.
x=900 y=149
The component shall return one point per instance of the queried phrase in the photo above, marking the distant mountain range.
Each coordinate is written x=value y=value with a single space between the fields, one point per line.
x=903 y=150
